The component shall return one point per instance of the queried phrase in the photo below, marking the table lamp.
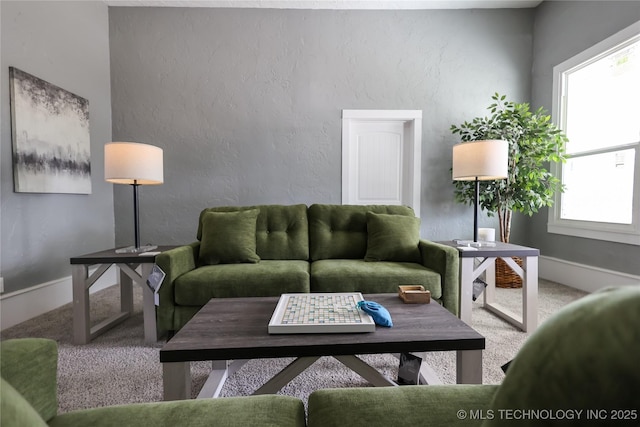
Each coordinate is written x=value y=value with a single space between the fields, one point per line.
x=485 y=160
x=134 y=164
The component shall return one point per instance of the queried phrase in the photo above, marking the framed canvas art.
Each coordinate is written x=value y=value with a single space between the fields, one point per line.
x=50 y=133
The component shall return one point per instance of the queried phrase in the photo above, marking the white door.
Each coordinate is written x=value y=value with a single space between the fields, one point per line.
x=381 y=157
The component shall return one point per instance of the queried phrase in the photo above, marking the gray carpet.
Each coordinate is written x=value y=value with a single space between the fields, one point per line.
x=118 y=367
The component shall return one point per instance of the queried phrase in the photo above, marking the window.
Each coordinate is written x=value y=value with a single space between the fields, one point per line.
x=597 y=104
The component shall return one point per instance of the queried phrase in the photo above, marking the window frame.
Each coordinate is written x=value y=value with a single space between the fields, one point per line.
x=621 y=233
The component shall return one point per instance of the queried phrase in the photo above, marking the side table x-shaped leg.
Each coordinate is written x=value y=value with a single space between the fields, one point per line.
x=128 y=265
x=83 y=332
x=473 y=263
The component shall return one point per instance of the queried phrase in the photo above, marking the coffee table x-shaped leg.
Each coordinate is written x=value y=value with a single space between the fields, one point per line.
x=177 y=375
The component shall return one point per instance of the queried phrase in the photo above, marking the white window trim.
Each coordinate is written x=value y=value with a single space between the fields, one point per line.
x=622 y=233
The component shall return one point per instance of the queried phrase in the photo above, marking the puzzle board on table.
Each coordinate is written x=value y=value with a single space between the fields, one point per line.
x=320 y=313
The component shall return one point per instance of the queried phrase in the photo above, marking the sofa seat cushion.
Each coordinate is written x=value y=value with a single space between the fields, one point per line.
x=267 y=411
x=266 y=278
x=357 y=275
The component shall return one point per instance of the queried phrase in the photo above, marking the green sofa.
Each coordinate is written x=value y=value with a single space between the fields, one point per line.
x=268 y=250
x=580 y=368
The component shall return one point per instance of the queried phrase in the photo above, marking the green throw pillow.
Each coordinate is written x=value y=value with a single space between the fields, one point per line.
x=392 y=238
x=229 y=237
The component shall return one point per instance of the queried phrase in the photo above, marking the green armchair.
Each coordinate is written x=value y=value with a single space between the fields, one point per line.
x=28 y=388
x=580 y=368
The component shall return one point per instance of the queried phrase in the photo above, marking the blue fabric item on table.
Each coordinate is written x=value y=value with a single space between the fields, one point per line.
x=379 y=314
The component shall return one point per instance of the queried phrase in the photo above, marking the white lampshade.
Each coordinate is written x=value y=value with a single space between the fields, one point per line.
x=485 y=160
x=133 y=163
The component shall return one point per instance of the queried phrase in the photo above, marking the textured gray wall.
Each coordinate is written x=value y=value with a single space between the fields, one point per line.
x=67 y=44
x=246 y=103
x=562 y=30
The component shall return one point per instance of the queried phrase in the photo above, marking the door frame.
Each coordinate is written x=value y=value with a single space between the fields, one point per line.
x=412 y=140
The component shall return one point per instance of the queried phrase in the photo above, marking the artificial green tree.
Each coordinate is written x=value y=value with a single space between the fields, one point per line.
x=534 y=142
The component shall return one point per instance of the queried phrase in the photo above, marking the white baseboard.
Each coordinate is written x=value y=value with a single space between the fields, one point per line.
x=581 y=276
x=19 y=306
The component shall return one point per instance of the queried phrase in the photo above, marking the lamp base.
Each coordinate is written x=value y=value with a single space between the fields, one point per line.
x=134 y=250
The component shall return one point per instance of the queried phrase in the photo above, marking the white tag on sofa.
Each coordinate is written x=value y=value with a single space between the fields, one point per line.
x=154 y=281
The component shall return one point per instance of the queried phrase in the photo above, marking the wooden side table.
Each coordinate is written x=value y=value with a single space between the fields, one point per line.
x=482 y=260
x=83 y=333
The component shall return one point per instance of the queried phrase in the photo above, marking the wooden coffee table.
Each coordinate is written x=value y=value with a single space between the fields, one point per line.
x=231 y=331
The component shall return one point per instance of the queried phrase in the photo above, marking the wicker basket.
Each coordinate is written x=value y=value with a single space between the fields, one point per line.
x=505 y=276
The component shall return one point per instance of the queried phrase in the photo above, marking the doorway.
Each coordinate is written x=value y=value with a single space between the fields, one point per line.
x=381 y=157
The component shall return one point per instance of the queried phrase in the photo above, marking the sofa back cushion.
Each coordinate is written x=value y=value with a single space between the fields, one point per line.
x=282 y=232
x=340 y=231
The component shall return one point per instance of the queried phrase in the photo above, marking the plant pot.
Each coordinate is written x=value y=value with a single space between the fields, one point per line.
x=505 y=276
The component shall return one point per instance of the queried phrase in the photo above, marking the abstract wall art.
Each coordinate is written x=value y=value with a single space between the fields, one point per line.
x=50 y=133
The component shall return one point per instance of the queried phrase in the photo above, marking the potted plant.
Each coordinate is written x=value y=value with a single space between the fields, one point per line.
x=534 y=141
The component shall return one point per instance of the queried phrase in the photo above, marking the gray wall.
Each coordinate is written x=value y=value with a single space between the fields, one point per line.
x=562 y=30
x=246 y=103
x=67 y=44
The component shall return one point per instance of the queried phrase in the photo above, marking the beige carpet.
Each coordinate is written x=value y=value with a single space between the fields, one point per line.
x=118 y=367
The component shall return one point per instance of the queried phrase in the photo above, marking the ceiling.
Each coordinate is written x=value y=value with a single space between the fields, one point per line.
x=334 y=4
